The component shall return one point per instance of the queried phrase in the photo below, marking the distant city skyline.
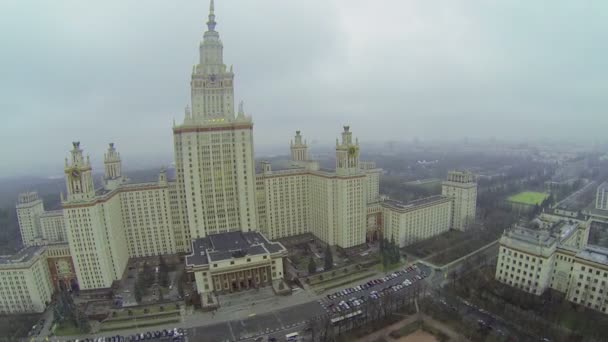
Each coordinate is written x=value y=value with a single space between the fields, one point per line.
x=393 y=70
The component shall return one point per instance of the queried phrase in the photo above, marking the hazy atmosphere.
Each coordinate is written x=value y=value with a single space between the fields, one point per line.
x=119 y=71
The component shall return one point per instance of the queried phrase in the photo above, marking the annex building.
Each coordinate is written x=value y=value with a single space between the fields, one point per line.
x=553 y=253
x=234 y=261
x=217 y=209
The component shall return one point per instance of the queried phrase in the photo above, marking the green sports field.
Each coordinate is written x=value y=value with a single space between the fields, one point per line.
x=528 y=197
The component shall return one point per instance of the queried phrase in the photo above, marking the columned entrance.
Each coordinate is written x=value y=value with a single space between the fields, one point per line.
x=242 y=280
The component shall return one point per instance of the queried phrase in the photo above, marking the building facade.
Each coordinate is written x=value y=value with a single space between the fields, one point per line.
x=462 y=188
x=29 y=210
x=61 y=267
x=332 y=204
x=25 y=281
x=234 y=261
x=214 y=148
x=601 y=198
x=555 y=257
x=418 y=220
x=217 y=191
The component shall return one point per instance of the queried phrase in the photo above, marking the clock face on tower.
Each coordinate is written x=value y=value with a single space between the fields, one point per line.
x=212 y=77
x=352 y=150
x=75 y=173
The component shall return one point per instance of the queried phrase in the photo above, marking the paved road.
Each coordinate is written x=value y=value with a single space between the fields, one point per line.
x=286 y=320
x=243 y=322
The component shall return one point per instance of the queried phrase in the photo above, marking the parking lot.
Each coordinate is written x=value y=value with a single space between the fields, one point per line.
x=398 y=281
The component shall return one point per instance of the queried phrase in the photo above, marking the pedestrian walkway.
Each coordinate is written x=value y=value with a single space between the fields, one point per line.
x=385 y=333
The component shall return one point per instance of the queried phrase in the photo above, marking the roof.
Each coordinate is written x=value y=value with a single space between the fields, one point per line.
x=595 y=254
x=23 y=256
x=52 y=213
x=416 y=203
x=229 y=245
x=534 y=237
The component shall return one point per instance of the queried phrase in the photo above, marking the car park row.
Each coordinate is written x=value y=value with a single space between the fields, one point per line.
x=174 y=334
x=353 y=297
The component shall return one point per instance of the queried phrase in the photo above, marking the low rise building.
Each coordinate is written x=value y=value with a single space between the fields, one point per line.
x=25 y=282
x=234 y=261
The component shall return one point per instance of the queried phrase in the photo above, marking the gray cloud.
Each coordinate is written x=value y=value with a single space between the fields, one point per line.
x=119 y=71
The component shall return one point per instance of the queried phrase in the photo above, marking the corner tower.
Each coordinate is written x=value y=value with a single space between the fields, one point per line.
x=112 y=169
x=299 y=149
x=213 y=148
x=461 y=187
x=29 y=209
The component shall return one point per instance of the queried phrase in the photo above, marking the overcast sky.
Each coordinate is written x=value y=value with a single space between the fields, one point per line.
x=118 y=70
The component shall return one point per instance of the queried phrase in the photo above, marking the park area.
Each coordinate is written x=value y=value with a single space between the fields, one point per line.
x=528 y=197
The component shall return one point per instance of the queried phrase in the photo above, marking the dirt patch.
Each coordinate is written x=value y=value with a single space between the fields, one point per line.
x=418 y=336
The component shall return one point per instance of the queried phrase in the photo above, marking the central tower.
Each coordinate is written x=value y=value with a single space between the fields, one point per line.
x=212 y=92
x=214 y=149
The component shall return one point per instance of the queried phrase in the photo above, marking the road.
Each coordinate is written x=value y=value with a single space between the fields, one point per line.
x=277 y=323
x=242 y=322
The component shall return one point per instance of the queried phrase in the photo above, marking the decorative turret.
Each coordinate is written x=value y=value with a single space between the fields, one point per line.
x=241 y=114
x=78 y=176
x=299 y=150
x=162 y=176
x=112 y=164
x=113 y=169
x=347 y=154
x=211 y=48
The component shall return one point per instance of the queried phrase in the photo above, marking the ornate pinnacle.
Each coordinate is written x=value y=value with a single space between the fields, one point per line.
x=211 y=23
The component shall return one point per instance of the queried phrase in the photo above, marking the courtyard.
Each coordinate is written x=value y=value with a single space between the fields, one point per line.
x=307 y=262
x=155 y=282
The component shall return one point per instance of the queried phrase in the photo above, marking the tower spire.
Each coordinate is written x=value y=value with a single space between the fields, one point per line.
x=211 y=23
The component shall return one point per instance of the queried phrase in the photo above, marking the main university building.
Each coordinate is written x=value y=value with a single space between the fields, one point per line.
x=217 y=210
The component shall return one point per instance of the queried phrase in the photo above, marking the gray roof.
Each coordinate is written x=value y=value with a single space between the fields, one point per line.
x=594 y=253
x=23 y=256
x=531 y=236
x=415 y=203
x=52 y=213
x=229 y=245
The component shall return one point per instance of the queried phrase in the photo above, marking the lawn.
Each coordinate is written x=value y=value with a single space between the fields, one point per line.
x=67 y=329
x=528 y=197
